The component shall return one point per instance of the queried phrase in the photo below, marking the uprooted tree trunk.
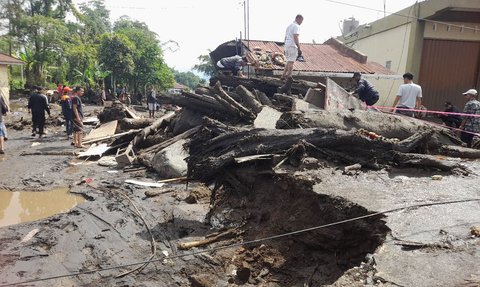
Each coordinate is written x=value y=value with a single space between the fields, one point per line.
x=384 y=124
x=267 y=85
x=134 y=124
x=209 y=156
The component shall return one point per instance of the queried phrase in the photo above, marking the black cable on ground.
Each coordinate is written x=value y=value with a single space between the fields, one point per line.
x=244 y=243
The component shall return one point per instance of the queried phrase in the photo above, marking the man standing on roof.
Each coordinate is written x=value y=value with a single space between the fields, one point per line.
x=409 y=97
x=470 y=124
x=292 y=46
x=366 y=91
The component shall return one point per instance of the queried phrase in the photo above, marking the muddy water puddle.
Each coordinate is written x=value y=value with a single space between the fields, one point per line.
x=24 y=206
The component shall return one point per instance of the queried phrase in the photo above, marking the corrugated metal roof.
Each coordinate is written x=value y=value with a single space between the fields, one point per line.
x=5 y=59
x=320 y=58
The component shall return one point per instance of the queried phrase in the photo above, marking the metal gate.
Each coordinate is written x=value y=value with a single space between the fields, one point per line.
x=448 y=69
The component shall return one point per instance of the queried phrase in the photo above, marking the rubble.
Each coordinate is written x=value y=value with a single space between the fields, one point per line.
x=245 y=166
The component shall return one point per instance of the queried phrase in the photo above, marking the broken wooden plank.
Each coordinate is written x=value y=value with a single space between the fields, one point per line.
x=94 y=150
x=111 y=137
x=104 y=130
x=131 y=113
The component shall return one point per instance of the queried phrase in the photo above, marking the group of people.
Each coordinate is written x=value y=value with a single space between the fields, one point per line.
x=72 y=111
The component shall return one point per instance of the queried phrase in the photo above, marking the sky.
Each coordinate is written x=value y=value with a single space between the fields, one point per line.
x=201 y=25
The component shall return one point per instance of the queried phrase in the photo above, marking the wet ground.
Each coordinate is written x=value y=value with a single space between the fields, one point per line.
x=119 y=224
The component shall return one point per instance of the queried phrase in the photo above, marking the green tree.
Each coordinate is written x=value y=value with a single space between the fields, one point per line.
x=38 y=26
x=116 y=54
x=96 y=18
x=188 y=79
x=149 y=66
x=205 y=66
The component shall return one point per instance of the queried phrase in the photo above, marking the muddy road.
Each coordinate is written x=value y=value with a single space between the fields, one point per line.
x=95 y=240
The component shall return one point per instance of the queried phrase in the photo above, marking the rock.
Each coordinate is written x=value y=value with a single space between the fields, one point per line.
x=310 y=163
x=243 y=275
x=186 y=120
x=301 y=105
x=170 y=161
x=197 y=193
x=475 y=231
x=267 y=118
x=202 y=280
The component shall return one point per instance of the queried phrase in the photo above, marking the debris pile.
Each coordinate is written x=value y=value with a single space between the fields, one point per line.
x=239 y=121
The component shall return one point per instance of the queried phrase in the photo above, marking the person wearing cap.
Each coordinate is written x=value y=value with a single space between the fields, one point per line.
x=470 y=124
x=366 y=92
x=67 y=111
x=409 y=97
x=38 y=105
x=234 y=64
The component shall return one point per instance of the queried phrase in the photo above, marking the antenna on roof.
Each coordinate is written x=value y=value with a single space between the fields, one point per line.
x=384 y=8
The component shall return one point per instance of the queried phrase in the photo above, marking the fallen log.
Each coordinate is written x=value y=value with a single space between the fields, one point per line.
x=245 y=113
x=210 y=156
x=265 y=84
x=430 y=161
x=262 y=98
x=204 y=105
x=150 y=130
x=384 y=124
x=249 y=99
x=134 y=124
x=209 y=239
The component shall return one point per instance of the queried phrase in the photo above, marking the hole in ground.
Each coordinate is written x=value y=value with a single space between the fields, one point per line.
x=270 y=205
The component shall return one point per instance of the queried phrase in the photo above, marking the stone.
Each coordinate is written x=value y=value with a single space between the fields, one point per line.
x=303 y=106
x=170 y=161
x=267 y=118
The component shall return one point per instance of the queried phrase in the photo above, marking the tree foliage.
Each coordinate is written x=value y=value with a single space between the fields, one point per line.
x=205 y=66
x=84 y=49
x=188 y=79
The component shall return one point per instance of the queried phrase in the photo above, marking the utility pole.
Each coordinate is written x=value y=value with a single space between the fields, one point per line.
x=9 y=33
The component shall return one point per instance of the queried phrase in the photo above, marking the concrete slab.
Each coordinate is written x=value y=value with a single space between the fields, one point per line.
x=315 y=97
x=105 y=130
x=267 y=118
x=339 y=99
x=303 y=106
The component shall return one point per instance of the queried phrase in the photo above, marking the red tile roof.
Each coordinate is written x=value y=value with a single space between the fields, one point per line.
x=8 y=60
x=321 y=58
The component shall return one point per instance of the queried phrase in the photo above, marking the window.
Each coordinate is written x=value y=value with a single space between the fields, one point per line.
x=388 y=64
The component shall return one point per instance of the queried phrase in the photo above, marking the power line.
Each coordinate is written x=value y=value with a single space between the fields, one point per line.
x=246 y=242
x=402 y=15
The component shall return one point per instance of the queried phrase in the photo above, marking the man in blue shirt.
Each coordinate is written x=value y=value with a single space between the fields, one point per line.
x=234 y=64
x=366 y=92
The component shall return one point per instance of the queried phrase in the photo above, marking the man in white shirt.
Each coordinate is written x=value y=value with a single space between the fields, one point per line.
x=409 y=96
x=292 y=46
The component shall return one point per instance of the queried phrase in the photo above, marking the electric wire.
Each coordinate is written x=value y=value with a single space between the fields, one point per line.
x=210 y=250
x=403 y=15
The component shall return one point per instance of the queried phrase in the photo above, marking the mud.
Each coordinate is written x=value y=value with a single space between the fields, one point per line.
x=25 y=206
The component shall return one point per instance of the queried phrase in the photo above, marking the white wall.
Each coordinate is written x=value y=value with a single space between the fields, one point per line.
x=4 y=85
x=390 y=45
